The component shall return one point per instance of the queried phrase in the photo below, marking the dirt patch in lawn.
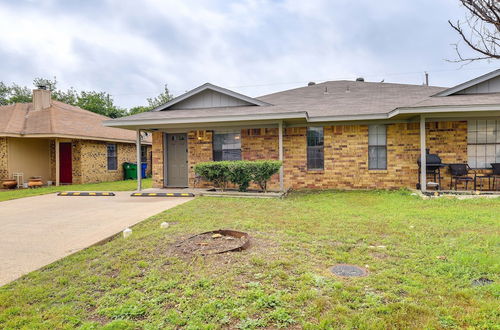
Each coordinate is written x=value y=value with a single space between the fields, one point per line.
x=214 y=242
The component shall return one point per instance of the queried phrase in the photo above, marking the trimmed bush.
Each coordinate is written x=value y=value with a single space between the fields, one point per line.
x=216 y=172
x=264 y=170
x=240 y=172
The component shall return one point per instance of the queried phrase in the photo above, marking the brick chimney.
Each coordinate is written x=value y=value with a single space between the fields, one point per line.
x=41 y=99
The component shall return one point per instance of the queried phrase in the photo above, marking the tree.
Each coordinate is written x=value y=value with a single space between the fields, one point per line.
x=480 y=30
x=161 y=99
x=153 y=102
x=99 y=102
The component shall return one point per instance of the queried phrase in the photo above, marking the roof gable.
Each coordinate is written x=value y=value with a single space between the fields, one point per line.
x=485 y=84
x=209 y=96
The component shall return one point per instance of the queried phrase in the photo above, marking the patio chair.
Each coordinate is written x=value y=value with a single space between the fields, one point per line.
x=495 y=175
x=460 y=173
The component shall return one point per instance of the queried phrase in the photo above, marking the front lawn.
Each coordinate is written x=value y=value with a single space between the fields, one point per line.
x=127 y=185
x=422 y=257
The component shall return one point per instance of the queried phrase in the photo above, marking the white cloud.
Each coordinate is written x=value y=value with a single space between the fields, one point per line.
x=131 y=49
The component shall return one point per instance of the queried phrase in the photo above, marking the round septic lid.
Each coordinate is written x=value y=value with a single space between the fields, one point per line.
x=345 y=270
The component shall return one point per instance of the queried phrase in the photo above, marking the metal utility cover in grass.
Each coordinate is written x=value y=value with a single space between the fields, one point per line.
x=345 y=270
x=76 y=193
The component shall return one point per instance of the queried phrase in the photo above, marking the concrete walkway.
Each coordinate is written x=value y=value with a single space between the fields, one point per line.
x=36 y=231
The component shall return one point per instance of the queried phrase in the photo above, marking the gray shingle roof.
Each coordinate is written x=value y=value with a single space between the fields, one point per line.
x=332 y=99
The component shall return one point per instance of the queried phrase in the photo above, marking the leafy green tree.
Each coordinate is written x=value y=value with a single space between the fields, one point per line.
x=99 y=102
x=19 y=94
x=161 y=99
x=138 y=109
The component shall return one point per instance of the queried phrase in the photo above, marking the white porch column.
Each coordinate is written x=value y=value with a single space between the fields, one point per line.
x=423 y=156
x=58 y=165
x=139 y=164
x=280 y=148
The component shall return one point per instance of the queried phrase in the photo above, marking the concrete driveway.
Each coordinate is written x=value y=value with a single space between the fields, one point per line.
x=36 y=231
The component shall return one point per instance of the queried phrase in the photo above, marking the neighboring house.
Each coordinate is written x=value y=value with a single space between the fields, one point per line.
x=62 y=143
x=336 y=134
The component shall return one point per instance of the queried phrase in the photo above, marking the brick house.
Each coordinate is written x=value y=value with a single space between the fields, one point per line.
x=336 y=134
x=62 y=143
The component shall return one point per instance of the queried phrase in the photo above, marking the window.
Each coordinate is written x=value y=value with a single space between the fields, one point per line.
x=227 y=146
x=483 y=139
x=377 y=147
x=315 y=152
x=112 y=159
x=144 y=154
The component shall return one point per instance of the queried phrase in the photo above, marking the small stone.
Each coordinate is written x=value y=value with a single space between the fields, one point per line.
x=164 y=225
x=442 y=257
x=229 y=238
x=127 y=232
x=411 y=227
x=216 y=236
x=381 y=246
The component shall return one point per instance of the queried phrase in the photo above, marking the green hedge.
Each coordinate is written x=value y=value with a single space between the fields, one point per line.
x=239 y=172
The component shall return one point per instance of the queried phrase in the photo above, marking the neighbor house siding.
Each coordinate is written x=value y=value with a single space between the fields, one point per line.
x=4 y=166
x=345 y=154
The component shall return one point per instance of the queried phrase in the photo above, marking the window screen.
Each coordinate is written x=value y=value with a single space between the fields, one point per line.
x=315 y=148
x=377 y=147
x=483 y=147
x=112 y=159
x=227 y=146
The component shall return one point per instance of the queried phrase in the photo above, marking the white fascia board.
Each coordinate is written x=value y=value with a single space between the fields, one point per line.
x=201 y=120
x=214 y=88
x=445 y=109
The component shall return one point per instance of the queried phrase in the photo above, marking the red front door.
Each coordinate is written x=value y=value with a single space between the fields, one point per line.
x=65 y=163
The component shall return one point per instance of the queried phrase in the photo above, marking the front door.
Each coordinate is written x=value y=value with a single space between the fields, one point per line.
x=65 y=163
x=177 y=169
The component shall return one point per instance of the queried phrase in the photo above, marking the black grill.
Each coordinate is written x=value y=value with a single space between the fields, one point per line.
x=433 y=167
x=432 y=161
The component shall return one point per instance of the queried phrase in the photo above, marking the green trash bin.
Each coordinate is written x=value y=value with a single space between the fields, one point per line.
x=129 y=171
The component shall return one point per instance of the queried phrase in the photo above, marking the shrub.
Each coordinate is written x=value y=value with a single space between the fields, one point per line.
x=239 y=172
x=216 y=172
x=264 y=170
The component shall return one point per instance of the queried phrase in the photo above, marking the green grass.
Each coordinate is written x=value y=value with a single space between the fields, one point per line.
x=103 y=186
x=283 y=279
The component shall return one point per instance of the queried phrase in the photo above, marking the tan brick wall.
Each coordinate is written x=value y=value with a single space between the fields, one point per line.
x=346 y=154
x=199 y=150
x=4 y=169
x=158 y=158
x=261 y=144
x=90 y=161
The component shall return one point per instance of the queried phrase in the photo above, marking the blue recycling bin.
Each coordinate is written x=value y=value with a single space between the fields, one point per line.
x=144 y=166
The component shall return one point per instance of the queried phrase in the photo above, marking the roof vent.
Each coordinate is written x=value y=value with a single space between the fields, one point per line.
x=360 y=79
x=311 y=83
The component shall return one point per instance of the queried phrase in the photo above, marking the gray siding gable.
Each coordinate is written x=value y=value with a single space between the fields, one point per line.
x=210 y=96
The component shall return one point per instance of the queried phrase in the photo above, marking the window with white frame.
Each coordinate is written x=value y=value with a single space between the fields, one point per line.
x=315 y=148
x=227 y=146
x=483 y=142
x=377 y=147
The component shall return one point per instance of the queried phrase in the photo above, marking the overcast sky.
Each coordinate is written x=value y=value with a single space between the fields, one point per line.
x=132 y=48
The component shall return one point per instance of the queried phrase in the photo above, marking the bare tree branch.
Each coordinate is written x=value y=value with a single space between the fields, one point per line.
x=480 y=31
